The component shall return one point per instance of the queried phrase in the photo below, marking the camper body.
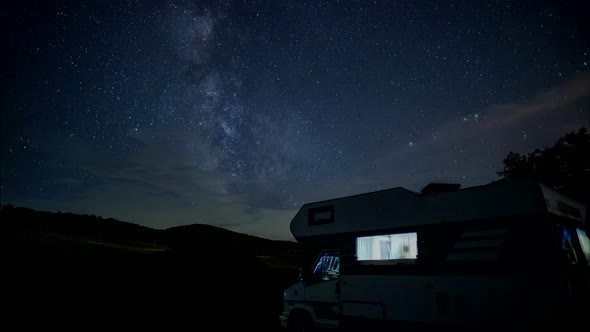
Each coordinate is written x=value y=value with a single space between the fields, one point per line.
x=503 y=256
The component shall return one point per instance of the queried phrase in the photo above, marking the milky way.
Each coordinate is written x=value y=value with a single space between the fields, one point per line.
x=235 y=114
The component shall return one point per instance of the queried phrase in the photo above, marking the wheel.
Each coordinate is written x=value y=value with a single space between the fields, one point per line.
x=301 y=323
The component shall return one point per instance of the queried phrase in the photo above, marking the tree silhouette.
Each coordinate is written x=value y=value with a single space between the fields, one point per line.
x=565 y=166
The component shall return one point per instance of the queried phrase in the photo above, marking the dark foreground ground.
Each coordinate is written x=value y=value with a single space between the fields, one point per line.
x=114 y=288
x=54 y=281
x=78 y=273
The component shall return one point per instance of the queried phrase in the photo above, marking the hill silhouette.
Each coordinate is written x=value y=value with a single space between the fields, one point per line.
x=77 y=271
x=108 y=230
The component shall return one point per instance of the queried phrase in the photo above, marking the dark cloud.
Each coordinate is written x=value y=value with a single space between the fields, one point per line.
x=469 y=149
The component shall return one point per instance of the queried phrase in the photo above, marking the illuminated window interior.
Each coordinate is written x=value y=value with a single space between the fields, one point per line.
x=387 y=247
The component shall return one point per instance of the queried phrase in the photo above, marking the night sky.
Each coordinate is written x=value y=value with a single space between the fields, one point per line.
x=236 y=113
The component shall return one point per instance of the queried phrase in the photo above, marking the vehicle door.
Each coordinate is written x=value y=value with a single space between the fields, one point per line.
x=322 y=289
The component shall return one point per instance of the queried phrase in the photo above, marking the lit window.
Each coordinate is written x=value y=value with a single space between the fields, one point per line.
x=387 y=247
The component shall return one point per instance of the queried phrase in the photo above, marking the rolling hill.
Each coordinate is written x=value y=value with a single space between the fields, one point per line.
x=62 y=268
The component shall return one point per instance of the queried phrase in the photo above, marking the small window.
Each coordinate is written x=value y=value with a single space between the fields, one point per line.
x=387 y=247
x=569 y=210
x=321 y=215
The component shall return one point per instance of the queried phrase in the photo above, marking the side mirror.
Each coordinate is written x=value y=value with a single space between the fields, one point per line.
x=302 y=275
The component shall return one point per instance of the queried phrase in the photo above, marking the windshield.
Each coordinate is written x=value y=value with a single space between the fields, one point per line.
x=584 y=243
x=575 y=245
x=327 y=267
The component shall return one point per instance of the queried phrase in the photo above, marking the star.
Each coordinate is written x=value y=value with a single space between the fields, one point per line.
x=237 y=111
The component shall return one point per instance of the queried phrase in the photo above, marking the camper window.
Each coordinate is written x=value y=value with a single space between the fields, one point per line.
x=383 y=248
x=321 y=215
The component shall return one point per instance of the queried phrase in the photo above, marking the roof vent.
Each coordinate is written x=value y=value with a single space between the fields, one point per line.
x=433 y=188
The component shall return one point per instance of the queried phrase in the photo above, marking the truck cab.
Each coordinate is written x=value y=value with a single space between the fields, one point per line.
x=314 y=301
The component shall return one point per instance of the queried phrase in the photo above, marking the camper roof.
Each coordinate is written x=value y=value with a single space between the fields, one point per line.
x=399 y=208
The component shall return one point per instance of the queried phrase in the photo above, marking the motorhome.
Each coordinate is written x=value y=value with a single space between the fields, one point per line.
x=510 y=255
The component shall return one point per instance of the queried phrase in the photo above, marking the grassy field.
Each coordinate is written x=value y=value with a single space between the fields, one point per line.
x=79 y=280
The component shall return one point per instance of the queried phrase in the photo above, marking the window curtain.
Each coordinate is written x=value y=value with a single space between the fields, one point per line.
x=364 y=248
x=404 y=246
